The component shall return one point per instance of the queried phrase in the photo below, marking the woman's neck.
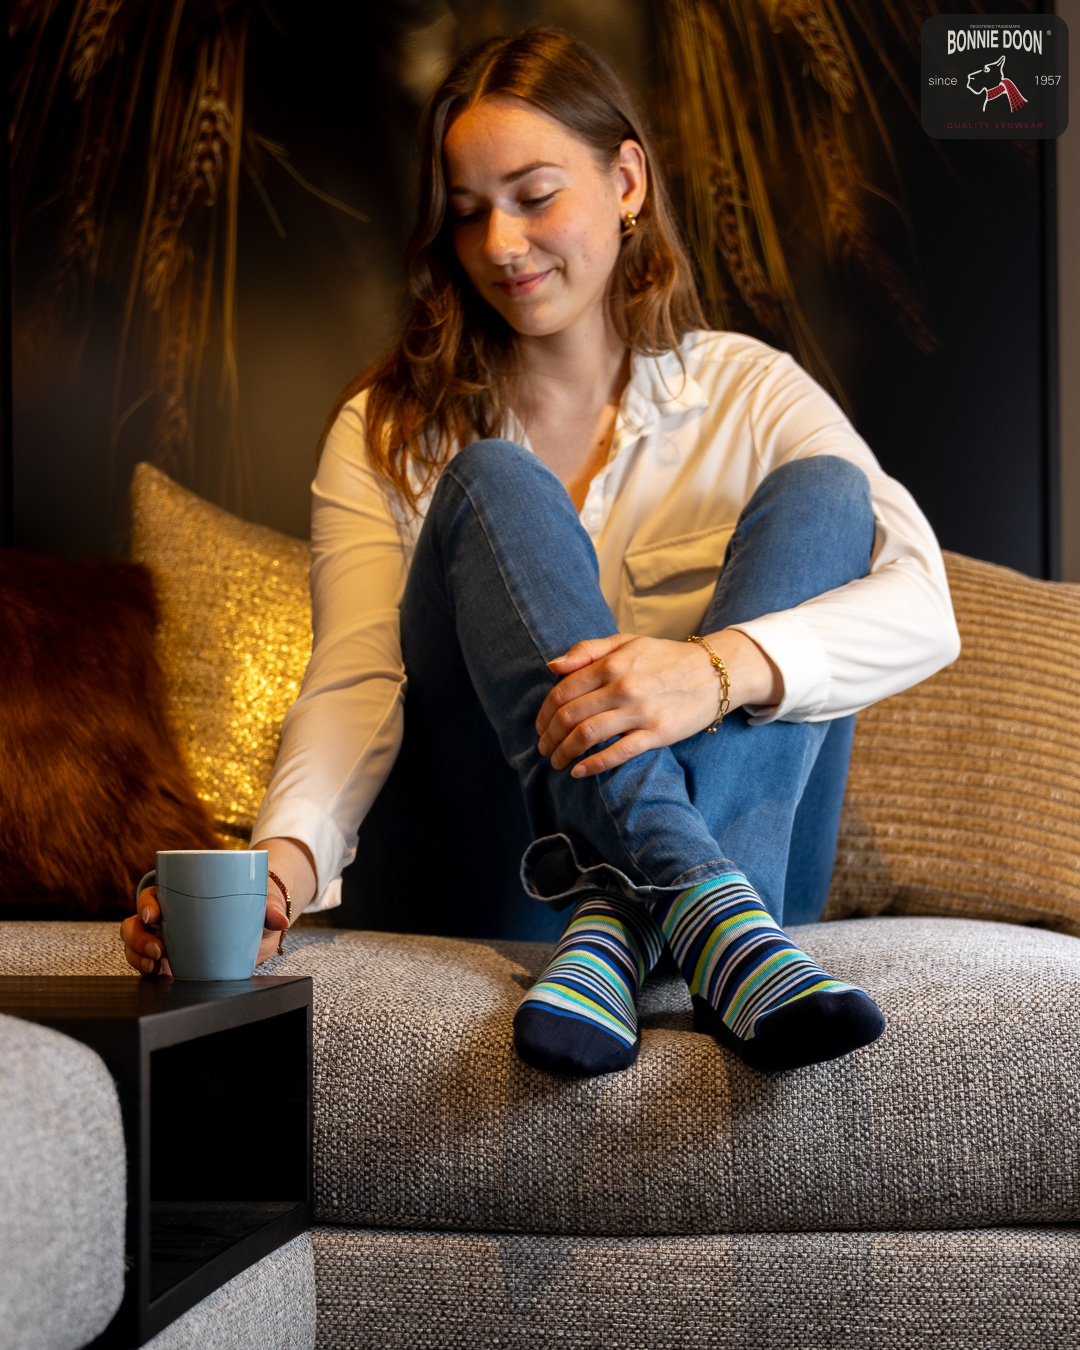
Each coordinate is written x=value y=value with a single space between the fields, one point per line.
x=566 y=394
x=573 y=372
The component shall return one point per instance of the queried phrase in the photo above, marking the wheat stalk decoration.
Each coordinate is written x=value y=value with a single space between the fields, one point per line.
x=164 y=78
x=765 y=106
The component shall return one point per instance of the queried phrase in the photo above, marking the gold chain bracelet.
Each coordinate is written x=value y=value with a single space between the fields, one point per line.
x=725 y=681
x=288 y=908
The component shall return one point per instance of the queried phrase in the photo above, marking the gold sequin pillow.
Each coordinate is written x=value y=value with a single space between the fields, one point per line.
x=964 y=793
x=234 y=640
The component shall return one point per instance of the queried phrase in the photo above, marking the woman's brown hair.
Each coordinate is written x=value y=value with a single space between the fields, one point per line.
x=444 y=384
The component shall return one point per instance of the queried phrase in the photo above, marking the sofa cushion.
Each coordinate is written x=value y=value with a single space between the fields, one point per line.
x=93 y=781
x=269 y=1306
x=62 y=1189
x=989 y=1289
x=235 y=637
x=963 y=1114
x=964 y=793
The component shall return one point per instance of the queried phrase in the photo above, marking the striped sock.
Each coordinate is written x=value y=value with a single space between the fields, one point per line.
x=581 y=1017
x=752 y=988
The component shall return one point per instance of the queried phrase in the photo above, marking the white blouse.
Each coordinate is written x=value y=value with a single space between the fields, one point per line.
x=687 y=454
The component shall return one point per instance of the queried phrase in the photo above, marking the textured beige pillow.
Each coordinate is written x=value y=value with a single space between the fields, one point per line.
x=234 y=640
x=964 y=792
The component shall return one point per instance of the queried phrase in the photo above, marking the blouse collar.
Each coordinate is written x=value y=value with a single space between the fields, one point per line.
x=659 y=387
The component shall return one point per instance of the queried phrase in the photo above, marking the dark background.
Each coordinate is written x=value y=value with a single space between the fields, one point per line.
x=968 y=428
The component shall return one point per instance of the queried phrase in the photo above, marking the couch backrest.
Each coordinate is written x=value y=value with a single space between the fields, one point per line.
x=964 y=792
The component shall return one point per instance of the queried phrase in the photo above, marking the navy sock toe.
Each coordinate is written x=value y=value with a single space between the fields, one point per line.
x=581 y=1016
x=569 y=1045
x=809 y=1030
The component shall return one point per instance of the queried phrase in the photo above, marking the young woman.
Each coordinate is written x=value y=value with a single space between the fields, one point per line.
x=636 y=578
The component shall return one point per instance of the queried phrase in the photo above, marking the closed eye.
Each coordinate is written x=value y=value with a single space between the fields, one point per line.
x=538 y=202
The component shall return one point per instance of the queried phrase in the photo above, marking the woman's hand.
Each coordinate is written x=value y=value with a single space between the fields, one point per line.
x=145 y=950
x=647 y=691
x=289 y=858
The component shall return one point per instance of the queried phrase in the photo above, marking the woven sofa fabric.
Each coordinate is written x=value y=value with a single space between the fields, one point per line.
x=962 y=1115
x=62 y=1190
x=990 y=1289
x=964 y=798
x=61 y=947
x=269 y=1306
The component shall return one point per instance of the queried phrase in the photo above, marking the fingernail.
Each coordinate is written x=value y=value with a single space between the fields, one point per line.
x=148 y=966
x=557 y=658
x=578 y=771
x=542 y=747
x=152 y=949
x=146 y=916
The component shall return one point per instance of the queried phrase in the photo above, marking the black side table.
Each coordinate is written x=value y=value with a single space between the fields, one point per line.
x=215 y=1091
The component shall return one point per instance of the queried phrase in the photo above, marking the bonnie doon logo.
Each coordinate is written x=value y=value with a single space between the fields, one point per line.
x=966 y=94
x=977 y=83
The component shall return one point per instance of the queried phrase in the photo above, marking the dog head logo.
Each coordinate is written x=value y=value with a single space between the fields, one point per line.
x=990 y=80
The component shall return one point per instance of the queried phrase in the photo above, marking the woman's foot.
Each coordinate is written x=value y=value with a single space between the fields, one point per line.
x=580 y=1017
x=752 y=988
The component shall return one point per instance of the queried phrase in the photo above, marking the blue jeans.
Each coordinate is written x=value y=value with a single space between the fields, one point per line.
x=473 y=825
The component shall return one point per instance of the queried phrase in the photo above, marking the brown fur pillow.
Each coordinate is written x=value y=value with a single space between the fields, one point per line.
x=91 y=777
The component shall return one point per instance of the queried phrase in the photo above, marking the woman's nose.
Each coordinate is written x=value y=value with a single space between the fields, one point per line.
x=504 y=240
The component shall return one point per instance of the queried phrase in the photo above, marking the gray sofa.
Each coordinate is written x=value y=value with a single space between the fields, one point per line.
x=923 y=1190
x=62 y=1200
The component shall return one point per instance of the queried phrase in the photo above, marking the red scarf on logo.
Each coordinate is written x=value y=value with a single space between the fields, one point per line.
x=1016 y=98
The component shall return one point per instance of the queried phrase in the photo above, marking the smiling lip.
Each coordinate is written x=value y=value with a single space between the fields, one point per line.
x=523 y=285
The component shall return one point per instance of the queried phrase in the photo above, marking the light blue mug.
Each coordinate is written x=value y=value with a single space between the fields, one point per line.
x=213 y=906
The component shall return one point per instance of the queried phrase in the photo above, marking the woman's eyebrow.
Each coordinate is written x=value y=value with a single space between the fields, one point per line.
x=511 y=177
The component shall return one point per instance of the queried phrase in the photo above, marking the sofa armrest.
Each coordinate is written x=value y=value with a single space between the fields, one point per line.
x=62 y=1190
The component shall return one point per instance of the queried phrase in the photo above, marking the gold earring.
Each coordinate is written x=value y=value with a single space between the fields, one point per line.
x=629 y=222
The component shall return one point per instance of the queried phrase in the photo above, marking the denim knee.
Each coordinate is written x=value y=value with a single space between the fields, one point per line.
x=494 y=462
x=826 y=483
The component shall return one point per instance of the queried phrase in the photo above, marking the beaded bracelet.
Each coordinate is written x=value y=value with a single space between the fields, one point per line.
x=288 y=908
x=725 y=681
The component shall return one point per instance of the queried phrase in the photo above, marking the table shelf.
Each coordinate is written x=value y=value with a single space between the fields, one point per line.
x=215 y=1087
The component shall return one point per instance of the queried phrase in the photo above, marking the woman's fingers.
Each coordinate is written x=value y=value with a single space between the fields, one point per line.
x=149 y=909
x=274 y=925
x=567 y=719
x=593 y=731
x=143 y=949
x=626 y=747
x=581 y=670
x=552 y=720
x=268 y=946
x=587 y=651
x=276 y=918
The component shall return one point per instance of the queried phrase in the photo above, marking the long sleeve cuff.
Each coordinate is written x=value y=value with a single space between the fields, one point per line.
x=296 y=818
x=799 y=656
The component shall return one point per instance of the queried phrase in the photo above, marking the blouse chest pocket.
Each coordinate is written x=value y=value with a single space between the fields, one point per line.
x=668 y=585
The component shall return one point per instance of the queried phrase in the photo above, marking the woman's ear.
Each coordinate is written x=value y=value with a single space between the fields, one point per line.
x=633 y=178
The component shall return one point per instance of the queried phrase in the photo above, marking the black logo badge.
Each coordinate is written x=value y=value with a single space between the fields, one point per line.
x=995 y=76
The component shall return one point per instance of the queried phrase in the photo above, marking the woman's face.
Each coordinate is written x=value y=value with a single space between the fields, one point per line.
x=536 y=218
